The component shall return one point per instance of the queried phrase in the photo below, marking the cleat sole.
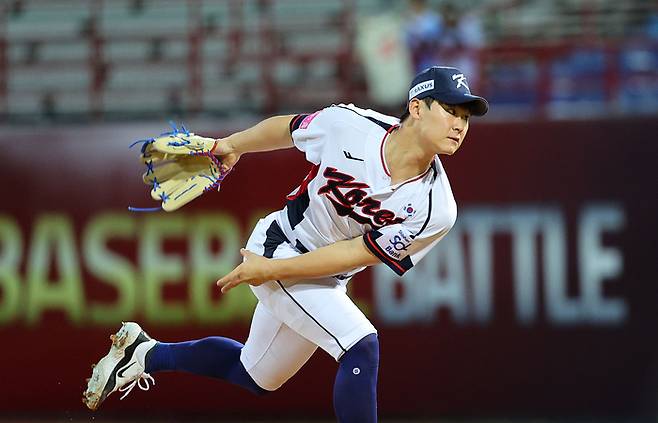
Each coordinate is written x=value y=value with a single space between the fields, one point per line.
x=97 y=384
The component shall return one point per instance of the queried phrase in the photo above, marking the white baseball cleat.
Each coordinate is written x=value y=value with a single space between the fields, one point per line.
x=122 y=368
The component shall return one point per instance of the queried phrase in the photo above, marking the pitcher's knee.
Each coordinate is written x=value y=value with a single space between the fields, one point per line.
x=268 y=380
x=267 y=386
x=364 y=353
x=261 y=392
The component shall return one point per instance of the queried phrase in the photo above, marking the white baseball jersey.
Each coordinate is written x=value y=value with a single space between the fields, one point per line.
x=348 y=192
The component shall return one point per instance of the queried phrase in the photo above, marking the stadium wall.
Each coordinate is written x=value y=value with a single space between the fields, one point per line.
x=541 y=301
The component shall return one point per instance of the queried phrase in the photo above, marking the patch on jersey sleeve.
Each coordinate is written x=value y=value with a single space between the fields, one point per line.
x=391 y=249
x=307 y=120
x=296 y=121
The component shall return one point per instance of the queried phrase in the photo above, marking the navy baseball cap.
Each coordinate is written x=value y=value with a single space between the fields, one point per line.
x=447 y=85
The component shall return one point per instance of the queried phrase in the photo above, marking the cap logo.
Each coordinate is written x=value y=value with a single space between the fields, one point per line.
x=421 y=88
x=461 y=80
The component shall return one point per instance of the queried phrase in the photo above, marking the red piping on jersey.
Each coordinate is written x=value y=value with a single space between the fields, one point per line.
x=417 y=177
x=381 y=148
x=304 y=185
x=381 y=155
x=379 y=249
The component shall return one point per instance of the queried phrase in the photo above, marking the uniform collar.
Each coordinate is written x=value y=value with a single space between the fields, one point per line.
x=434 y=169
x=382 y=149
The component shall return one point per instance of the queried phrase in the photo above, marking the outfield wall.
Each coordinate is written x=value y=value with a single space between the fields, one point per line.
x=541 y=301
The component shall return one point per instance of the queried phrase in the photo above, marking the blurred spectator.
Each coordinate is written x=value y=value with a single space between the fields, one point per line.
x=88 y=27
x=461 y=38
x=32 y=52
x=422 y=34
x=137 y=7
x=651 y=26
x=17 y=8
x=48 y=106
x=447 y=38
x=175 y=102
x=156 y=51
x=100 y=75
x=210 y=24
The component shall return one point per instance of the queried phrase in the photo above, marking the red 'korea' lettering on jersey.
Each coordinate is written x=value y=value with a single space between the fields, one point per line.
x=345 y=202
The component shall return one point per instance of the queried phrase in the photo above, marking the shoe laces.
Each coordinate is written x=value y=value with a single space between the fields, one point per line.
x=138 y=381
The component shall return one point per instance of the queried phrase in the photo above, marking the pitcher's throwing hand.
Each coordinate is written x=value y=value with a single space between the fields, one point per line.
x=254 y=270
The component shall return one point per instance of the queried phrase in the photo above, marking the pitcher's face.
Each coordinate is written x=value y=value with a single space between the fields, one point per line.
x=443 y=126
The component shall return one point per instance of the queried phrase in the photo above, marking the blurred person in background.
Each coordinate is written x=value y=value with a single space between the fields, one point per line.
x=422 y=33
x=451 y=36
x=651 y=24
x=460 y=40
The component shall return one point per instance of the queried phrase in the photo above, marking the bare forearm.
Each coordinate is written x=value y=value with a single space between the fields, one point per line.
x=333 y=259
x=270 y=134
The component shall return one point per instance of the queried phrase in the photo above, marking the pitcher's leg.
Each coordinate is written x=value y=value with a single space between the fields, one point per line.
x=214 y=356
x=273 y=352
x=355 y=389
x=321 y=312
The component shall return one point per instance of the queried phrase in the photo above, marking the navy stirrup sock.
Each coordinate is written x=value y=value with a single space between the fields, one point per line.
x=214 y=357
x=355 y=389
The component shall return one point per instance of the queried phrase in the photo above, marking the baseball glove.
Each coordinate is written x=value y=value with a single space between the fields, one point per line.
x=180 y=166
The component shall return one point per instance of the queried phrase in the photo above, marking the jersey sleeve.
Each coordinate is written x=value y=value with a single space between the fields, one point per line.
x=401 y=246
x=309 y=133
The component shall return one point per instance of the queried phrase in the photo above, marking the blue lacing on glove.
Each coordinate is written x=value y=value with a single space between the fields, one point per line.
x=145 y=143
x=217 y=180
x=179 y=195
x=210 y=178
x=155 y=185
x=149 y=168
x=214 y=178
x=175 y=130
x=179 y=143
x=144 y=209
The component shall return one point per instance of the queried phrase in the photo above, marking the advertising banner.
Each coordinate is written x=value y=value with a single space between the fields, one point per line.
x=541 y=300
